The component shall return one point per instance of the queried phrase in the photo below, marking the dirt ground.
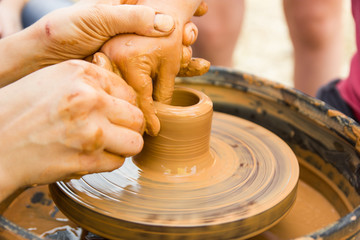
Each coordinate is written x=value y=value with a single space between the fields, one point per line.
x=273 y=60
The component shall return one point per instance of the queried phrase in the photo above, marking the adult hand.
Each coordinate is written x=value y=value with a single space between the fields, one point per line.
x=74 y=33
x=79 y=31
x=66 y=119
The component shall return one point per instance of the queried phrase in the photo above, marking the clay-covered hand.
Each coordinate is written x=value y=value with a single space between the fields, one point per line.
x=150 y=66
x=70 y=118
x=10 y=17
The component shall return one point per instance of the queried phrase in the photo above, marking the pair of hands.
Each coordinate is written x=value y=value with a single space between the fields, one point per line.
x=149 y=65
x=75 y=117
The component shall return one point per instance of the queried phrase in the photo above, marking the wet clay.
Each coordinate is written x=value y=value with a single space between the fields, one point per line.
x=232 y=180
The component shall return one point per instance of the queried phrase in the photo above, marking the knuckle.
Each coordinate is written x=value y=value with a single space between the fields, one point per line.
x=93 y=140
x=131 y=95
x=83 y=136
x=138 y=120
x=190 y=34
x=186 y=56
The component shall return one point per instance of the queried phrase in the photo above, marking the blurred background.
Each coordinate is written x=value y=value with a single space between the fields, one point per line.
x=265 y=49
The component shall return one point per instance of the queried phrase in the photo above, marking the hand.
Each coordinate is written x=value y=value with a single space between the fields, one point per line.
x=90 y=23
x=150 y=65
x=67 y=119
x=74 y=33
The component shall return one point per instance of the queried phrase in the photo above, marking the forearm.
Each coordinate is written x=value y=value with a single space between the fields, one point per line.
x=20 y=55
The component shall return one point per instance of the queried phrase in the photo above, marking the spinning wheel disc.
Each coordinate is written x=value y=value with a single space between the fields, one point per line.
x=242 y=184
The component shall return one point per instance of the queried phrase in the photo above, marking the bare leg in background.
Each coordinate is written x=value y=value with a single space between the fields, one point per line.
x=218 y=31
x=315 y=28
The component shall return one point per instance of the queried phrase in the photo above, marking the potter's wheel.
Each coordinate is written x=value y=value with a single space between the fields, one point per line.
x=234 y=181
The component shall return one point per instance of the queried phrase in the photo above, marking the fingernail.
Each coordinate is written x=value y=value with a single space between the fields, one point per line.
x=163 y=23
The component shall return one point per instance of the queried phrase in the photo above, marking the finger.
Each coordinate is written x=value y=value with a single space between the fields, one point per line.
x=151 y=120
x=186 y=56
x=101 y=60
x=107 y=162
x=122 y=113
x=97 y=162
x=122 y=141
x=110 y=83
x=144 y=21
x=116 y=70
x=201 y=10
x=141 y=81
x=196 y=67
x=164 y=86
x=190 y=34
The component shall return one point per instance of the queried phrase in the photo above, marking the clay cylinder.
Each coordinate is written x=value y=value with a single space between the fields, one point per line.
x=182 y=147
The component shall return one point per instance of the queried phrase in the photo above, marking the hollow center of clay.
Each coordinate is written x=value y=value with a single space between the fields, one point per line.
x=182 y=98
x=182 y=147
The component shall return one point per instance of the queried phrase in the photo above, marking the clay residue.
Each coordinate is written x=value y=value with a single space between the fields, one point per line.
x=35 y=211
x=201 y=10
x=335 y=113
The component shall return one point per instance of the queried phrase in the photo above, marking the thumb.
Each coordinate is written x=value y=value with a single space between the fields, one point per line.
x=137 y=19
x=196 y=67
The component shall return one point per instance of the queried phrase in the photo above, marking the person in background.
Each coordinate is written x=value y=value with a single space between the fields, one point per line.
x=219 y=30
x=314 y=27
x=10 y=16
x=344 y=94
x=315 y=30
